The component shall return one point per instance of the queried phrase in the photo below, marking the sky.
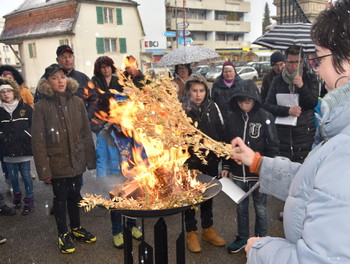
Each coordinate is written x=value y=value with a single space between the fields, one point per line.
x=9 y=6
x=13 y=4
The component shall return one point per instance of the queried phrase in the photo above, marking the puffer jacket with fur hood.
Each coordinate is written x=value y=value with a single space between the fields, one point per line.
x=61 y=137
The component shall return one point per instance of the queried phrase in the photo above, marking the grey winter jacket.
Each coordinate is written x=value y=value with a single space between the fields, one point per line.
x=317 y=208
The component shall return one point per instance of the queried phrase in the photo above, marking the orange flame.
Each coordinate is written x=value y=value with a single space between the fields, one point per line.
x=162 y=172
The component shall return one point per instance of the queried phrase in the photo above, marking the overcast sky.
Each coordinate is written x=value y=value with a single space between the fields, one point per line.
x=13 y=4
x=9 y=6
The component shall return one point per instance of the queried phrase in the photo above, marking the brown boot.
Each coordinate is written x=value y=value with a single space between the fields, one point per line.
x=193 y=242
x=209 y=235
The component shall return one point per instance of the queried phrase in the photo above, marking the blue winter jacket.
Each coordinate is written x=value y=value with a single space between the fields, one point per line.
x=109 y=151
x=317 y=208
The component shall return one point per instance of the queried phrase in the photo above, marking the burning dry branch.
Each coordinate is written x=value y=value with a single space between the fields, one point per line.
x=154 y=117
x=159 y=114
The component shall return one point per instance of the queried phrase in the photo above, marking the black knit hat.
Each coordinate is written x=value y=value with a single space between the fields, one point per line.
x=276 y=57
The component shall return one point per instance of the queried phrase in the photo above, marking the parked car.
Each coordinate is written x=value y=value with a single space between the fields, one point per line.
x=261 y=67
x=213 y=73
x=201 y=69
x=247 y=73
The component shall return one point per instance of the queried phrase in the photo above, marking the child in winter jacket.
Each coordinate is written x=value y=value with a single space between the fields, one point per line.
x=206 y=113
x=256 y=127
x=63 y=148
x=15 y=139
x=112 y=148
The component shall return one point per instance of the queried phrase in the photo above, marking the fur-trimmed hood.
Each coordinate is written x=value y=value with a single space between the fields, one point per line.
x=45 y=89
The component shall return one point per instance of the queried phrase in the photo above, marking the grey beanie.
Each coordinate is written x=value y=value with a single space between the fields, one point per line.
x=276 y=57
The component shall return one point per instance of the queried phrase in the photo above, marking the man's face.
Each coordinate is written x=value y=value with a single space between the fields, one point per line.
x=66 y=60
x=293 y=63
x=278 y=67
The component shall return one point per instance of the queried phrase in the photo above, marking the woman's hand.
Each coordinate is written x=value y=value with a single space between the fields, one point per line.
x=242 y=153
x=250 y=243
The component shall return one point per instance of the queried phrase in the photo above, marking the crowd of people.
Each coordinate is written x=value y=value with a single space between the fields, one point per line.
x=273 y=132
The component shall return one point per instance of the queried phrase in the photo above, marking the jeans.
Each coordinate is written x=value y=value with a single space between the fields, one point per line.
x=66 y=193
x=260 y=206
x=117 y=226
x=206 y=209
x=24 y=169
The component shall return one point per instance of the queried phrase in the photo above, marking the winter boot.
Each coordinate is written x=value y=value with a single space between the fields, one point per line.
x=193 y=242
x=17 y=200
x=209 y=235
x=28 y=205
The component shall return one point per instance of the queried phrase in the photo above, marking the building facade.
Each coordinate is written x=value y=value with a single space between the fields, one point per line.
x=91 y=28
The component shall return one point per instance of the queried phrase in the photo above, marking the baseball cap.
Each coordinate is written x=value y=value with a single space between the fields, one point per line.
x=52 y=69
x=63 y=48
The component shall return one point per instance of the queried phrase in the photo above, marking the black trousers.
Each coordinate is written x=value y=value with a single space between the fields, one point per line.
x=66 y=198
x=206 y=208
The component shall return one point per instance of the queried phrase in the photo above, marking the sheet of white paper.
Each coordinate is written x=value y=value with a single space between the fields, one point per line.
x=289 y=100
x=234 y=192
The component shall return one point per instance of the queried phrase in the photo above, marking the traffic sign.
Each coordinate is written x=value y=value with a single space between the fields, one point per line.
x=169 y=34
x=188 y=40
x=182 y=25
x=181 y=33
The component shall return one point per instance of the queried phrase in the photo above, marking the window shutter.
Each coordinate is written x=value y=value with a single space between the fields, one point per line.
x=100 y=46
x=30 y=48
x=119 y=16
x=122 y=45
x=99 y=14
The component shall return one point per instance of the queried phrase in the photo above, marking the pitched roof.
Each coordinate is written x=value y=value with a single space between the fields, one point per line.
x=38 y=18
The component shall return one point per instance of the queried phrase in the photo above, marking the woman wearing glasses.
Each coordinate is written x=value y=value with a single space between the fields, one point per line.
x=295 y=139
x=317 y=208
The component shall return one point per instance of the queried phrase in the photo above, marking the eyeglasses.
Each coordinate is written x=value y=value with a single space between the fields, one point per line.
x=6 y=92
x=291 y=63
x=315 y=61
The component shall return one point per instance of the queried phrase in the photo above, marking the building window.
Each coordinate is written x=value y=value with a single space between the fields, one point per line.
x=110 y=44
x=32 y=50
x=104 y=45
x=108 y=15
x=7 y=60
x=63 y=42
x=105 y=15
x=6 y=48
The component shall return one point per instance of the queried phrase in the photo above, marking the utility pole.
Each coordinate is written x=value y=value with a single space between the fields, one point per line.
x=184 y=21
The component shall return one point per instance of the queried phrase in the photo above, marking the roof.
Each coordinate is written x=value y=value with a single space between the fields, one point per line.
x=32 y=4
x=38 y=18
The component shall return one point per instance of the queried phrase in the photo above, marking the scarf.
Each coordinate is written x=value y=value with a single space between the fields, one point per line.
x=289 y=77
x=10 y=107
x=229 y=84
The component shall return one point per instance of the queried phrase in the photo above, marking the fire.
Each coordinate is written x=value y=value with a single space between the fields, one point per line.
x=162 y=172
x=154 y=118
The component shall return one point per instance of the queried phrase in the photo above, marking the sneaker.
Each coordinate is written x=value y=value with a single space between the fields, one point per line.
x=6 y=210
x=136 y=233
x=280 y=217
x=237 y=245
x=32 y=175
x=82 y=234
x=47 y=181
x=118 y=240
x=2 y=239
x=65 y=243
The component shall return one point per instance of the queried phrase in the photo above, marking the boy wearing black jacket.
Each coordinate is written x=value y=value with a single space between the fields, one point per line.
x=256 y=127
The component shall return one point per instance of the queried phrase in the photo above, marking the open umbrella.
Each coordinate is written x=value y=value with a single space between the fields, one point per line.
x=282 y=36
x=186 y=54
